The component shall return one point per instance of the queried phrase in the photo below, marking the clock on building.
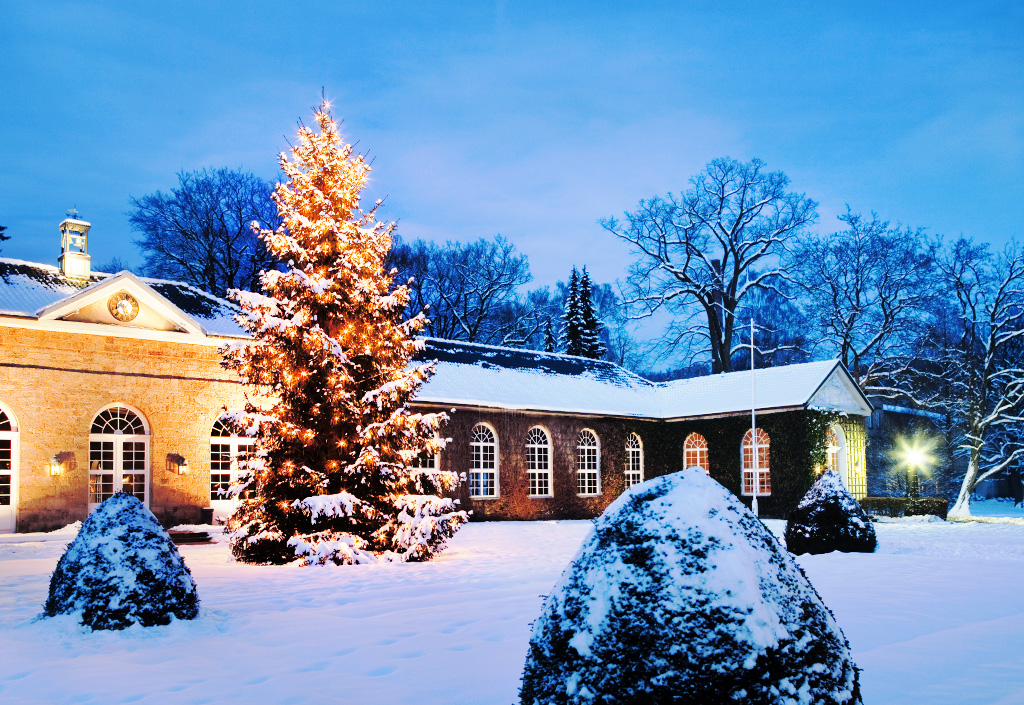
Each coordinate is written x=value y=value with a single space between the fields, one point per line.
x=123 y=306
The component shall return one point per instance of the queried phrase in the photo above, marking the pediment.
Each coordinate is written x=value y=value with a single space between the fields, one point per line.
x=122 y=300
x=840 y=393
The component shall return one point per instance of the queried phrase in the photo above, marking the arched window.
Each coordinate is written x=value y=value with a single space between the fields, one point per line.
x=538 y=462
x=483 y=463
x=118 y=455
x=695 y=452
x=8 y=470
x=634 y=460
x=588 y=464
x=756 y=470
x=227 y=450
x=835 y=456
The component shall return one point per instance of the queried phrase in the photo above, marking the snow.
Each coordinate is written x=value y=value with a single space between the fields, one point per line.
x=932 y=617
x=503 y=378
x=26 y=288
x=681 y=590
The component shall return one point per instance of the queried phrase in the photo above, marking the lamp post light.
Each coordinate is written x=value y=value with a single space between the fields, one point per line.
x=916 y=458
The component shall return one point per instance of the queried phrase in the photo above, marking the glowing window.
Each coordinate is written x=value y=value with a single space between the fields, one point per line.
x=228 y=451
x=695 y=452
x=756 y=470
x=832 y=443
x=118 y=455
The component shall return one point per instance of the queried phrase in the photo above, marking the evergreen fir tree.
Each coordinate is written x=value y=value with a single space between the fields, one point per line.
x=571 y=323
x=332 y=479
x=550 y=343
x=591 y=344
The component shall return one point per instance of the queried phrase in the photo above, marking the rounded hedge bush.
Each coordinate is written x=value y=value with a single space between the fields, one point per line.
x=122 y=569
x=828 y=519
x=681 y=595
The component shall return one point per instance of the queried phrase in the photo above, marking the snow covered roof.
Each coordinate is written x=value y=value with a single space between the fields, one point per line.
x=824 y=384
x=467 y=373
x=28 y=289
x=507 y=378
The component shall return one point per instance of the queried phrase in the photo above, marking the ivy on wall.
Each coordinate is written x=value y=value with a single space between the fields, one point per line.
x=797 y=450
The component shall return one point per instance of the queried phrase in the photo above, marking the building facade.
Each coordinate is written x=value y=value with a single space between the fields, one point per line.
x=112 y=382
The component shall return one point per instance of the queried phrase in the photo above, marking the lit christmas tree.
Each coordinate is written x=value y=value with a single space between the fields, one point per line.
x=338 y=475
x=590 y=325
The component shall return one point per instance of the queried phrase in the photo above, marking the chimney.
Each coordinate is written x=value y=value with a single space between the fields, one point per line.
x=74 y=247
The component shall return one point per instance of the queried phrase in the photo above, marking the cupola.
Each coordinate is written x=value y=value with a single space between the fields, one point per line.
x=74 y=246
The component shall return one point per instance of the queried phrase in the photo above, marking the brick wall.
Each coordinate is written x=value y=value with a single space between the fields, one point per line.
x=56 y=383
x=511 y=429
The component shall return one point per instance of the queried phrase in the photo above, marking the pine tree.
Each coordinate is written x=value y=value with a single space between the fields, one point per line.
x=3 y=237
x=550 y=343
x=591 y=344
x=571 y=322
x=332 y=478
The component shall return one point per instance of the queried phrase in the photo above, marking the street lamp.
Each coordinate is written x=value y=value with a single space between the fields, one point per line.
x=914 y=454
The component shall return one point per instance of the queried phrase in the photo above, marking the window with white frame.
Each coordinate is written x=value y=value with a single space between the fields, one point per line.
x=8 y=471
x=588 y=464
x=227 y=451
x=755 y=458
x=634 y=460
x=118 y=455
x=832 y=450
x=695 y=452
x=835 y=450
x=538 y=462
x=483 y=462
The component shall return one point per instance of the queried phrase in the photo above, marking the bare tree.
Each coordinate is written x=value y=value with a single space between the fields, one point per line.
x=984 y=366
x=868 y=287
x=470 y=291
x=701 y=253
x=202 y=231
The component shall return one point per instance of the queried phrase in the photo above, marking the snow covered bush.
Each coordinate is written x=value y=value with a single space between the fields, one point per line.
x=681 y=595
x=122 y=569
x=827 y=519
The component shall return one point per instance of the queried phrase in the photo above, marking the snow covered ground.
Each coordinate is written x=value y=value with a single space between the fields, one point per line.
x=934 y=617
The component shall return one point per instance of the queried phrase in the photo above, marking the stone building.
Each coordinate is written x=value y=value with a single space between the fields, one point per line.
x=112 y=382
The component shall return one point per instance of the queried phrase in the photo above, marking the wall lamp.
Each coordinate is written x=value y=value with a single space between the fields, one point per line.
x=177 y=464
x=54 y=466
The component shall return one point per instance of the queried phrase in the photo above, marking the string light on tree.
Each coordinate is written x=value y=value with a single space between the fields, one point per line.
x=331 y=481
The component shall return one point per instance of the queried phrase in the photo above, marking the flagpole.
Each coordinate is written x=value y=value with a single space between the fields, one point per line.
x=753 y=422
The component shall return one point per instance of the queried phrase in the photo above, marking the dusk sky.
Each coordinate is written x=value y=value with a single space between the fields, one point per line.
x=532 y=120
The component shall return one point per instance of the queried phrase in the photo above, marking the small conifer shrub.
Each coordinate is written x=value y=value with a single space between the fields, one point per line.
x=122 y=569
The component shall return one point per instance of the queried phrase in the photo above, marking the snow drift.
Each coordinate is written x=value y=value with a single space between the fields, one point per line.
x=680 y=594
x=828 y=519
x=122 y=569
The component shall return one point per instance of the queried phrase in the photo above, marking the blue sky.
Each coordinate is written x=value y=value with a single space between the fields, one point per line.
x=532 y=120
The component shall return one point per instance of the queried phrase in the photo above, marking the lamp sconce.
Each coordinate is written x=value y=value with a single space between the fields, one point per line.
x=177 y=464
x=55 y=466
